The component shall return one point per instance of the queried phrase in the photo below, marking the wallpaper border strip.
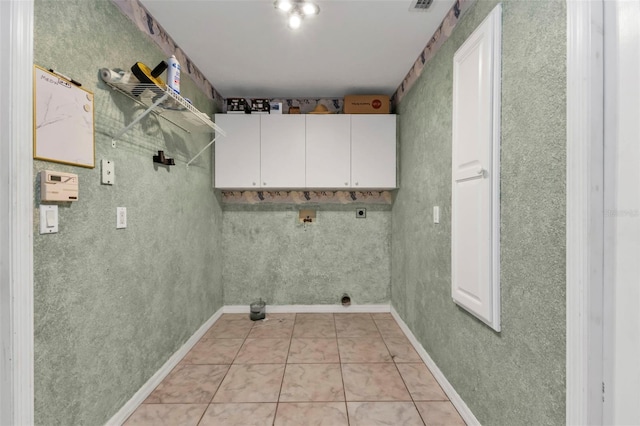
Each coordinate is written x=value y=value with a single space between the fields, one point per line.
x=146 y=23
x=437 y=40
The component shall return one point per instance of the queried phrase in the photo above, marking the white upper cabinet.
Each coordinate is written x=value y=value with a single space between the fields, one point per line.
x=332 y=151
x=475 y=199
x=328 y=151
x=373 y=151
x=237 y=156
x=282 y=141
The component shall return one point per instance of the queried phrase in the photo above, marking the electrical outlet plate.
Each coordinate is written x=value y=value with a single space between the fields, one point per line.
x=307 y=216
x=361 y=213
x=121 y=217
x=108 y=172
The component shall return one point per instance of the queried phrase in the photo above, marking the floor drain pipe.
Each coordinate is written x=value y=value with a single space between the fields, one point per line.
x=346 y=300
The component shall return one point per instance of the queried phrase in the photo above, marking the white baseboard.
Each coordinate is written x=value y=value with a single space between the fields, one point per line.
x=286 y=309
x=455 y=399
x=127 y=409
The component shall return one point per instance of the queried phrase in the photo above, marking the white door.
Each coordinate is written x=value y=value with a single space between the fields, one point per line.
x=282 y=144
x=475 y=172
x=622 y=214
x=328 y=151
x=373 y=151
x=237 y=155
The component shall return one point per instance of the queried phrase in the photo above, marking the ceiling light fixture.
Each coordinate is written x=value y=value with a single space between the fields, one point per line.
x=297 y=10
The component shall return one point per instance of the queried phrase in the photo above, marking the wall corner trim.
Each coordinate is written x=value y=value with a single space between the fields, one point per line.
x=454 y=397
x=16 y=213
x=130 y=406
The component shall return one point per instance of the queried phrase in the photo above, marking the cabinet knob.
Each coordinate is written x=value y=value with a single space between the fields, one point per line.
x=264 y=183
x=254 y=184
x=356 y=183
x=346 y=184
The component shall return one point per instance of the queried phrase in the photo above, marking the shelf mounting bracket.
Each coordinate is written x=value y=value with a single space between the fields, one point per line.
x=137 y=119
x=202 y=150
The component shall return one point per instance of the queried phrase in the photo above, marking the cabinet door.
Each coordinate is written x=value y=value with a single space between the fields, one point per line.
x=373 y=151
x=328 y=151
x=282 y=151
x=237 y=156
x=475 y=197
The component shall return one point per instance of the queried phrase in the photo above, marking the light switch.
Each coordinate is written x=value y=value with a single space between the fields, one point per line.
x=52 y=219
x=108 y=172
x=436 y=214
x=48 y=219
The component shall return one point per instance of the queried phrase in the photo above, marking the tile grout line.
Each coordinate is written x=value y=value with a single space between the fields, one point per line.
x=295 y=316
x=344 y=388
x=185 y=364
x=228 y=369
x=395 y=364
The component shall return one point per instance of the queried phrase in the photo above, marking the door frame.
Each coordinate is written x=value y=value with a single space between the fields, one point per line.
x=622 y=216
x=584 y=266
x=16 y=213
x=585 y=212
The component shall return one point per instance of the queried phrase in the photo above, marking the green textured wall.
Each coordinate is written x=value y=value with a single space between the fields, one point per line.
x=515 y=377
x=112 y=305
x=269 y=254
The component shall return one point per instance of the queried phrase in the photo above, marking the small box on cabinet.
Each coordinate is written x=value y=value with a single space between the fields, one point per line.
x=260 y=106
x=237 y=106
x=276 y=107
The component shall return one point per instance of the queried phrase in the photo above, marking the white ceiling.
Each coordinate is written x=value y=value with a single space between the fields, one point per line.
x=244 y=48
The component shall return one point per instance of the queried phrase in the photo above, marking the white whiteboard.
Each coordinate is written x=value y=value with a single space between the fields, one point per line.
x=63 y=121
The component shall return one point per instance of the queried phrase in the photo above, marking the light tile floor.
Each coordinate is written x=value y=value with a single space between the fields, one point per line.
x=300 y=369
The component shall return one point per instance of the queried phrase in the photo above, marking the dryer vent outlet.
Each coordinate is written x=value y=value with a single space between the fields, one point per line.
x=346 y=300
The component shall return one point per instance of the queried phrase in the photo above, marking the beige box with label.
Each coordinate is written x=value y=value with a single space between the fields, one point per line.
x=366 y=104
x=58 y=186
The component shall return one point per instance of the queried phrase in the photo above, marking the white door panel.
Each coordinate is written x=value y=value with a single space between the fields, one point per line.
x=373 y=151
x=237 y=155
x=475 y=226
x=328 y=151
x=282 y=145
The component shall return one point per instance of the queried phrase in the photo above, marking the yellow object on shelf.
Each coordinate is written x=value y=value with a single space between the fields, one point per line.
x=147 y=75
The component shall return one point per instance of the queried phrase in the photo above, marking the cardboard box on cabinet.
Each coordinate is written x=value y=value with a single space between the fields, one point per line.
x=366 y=104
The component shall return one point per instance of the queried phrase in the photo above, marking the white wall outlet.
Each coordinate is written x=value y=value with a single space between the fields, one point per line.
x=108 y=172
x=436 y=214
x=121 y=217
x=48 y=219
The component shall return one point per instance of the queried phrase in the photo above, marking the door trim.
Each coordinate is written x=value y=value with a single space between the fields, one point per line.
x=16 y=213
x=584 y=212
